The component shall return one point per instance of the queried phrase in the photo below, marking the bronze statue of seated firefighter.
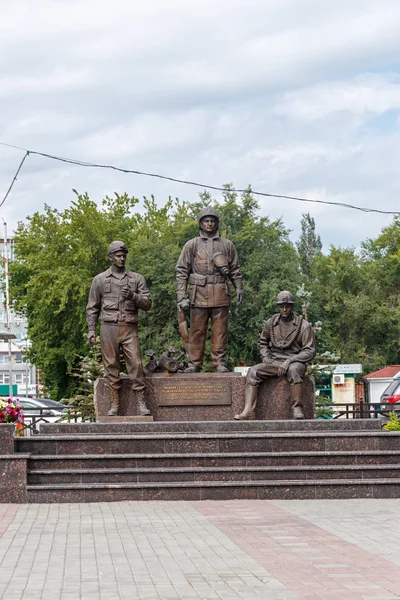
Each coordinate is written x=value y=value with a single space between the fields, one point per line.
x=116 y=296
x=287 y=344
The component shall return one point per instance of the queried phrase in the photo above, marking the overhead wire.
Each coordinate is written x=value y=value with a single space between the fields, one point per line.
x=82 y=163
x=14 y=178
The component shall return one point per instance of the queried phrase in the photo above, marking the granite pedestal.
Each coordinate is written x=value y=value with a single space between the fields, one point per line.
x=125 y=419
x=7 y=438
x=274 y=400
x=204 y=397
x=13 y=470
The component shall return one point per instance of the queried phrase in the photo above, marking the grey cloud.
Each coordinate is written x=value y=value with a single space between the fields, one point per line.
x=276 y=94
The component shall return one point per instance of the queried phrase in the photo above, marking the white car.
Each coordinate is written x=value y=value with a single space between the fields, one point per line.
x=37 y=404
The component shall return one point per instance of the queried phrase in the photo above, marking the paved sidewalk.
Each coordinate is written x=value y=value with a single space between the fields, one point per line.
x=227 y=550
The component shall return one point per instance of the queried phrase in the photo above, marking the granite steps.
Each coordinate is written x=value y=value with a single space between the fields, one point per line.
x=215 y=490
x=231 y=473
x=213 y=460
x=72 y=429
x=224 y=442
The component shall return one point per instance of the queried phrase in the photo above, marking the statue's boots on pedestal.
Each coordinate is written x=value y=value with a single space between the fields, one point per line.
x=142 y=406
x=221 y=369
x=219 y=353
x=192 y=369
x=113 y=412
x=250 y=403
x=296 y=391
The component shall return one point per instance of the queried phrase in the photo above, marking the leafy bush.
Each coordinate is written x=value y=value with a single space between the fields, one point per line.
x=88 y=370
x=323 y=408
x=393 y=424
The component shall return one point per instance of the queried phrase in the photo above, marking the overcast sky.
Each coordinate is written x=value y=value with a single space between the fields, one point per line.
x=297 y=97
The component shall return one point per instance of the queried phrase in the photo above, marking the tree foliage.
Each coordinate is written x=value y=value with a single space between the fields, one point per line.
x=393 y=423
x=88 y=369
x=309 y=245
x=354 y=294
x=58 y=254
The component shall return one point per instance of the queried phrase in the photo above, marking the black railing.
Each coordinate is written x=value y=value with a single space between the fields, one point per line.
x=31 y=422
x=357 y=410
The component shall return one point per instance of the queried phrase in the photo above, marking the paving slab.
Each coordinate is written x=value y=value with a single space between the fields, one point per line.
x=224 y=550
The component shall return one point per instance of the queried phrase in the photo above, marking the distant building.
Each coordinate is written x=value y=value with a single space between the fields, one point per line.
x=23 y=372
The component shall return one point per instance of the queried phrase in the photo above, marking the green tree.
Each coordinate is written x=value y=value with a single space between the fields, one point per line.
x=381 y=260
x=339 y=302
x=356 y=296
x=309 y=245
x=57 y=254
x=89 y=369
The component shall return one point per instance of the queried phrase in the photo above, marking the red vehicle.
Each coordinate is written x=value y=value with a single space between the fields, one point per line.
x=390 y=398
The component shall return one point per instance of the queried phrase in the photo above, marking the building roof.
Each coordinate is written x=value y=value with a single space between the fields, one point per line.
x=14 y=348
x=386 y=372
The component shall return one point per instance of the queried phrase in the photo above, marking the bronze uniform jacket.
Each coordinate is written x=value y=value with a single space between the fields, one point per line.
x=105 y=297
x=208 y=287
x=300 y=345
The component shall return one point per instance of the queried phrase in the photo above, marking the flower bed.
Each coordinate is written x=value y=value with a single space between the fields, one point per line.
x=10 y=412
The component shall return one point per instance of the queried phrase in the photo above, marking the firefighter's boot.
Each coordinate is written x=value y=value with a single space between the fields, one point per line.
x=113 y=412
x=250 y=402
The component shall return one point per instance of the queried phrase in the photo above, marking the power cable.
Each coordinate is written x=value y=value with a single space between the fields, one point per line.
x=81 y=163
x=14 y=178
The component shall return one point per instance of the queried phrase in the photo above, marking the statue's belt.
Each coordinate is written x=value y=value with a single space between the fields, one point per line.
x=197 y=279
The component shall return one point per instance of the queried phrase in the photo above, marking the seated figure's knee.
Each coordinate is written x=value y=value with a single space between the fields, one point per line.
x=295 y=372
x=251 y=377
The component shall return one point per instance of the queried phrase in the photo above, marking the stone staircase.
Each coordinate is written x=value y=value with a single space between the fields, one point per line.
x=212 y=460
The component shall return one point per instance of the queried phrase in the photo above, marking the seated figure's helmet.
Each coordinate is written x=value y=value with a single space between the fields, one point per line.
x=285 y=297
x=117 y=246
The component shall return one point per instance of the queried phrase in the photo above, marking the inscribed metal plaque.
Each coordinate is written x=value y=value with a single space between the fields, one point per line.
x=183 y=393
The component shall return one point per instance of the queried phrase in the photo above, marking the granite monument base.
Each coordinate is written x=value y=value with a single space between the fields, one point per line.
x=7 y=438
x=126 y=419
x=13 y=476
x=203 y=397
x=274 y=400
x=13 y=467
x=127 y=403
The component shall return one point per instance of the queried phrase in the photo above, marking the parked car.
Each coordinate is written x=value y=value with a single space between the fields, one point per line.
x=53 y=404
x=390 y=398
x=40 y=403
x=35 y=406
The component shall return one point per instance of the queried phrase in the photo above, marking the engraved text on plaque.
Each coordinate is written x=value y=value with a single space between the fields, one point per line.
x=182 y=393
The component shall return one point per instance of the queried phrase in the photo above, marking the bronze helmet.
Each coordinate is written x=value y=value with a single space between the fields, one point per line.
x=208 y=212
x=285 y=297
x=117 y=246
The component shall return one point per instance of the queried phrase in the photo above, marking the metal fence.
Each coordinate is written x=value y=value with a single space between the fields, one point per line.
x=32 y=422
x=359 y=410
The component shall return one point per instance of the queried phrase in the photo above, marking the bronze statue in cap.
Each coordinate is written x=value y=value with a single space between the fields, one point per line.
x=287 y=344
x=207 y=263
x=116 y=296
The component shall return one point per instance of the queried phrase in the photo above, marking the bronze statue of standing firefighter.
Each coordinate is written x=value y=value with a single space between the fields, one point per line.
x=207 y=263
x=287 y=344
x=118 y=294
